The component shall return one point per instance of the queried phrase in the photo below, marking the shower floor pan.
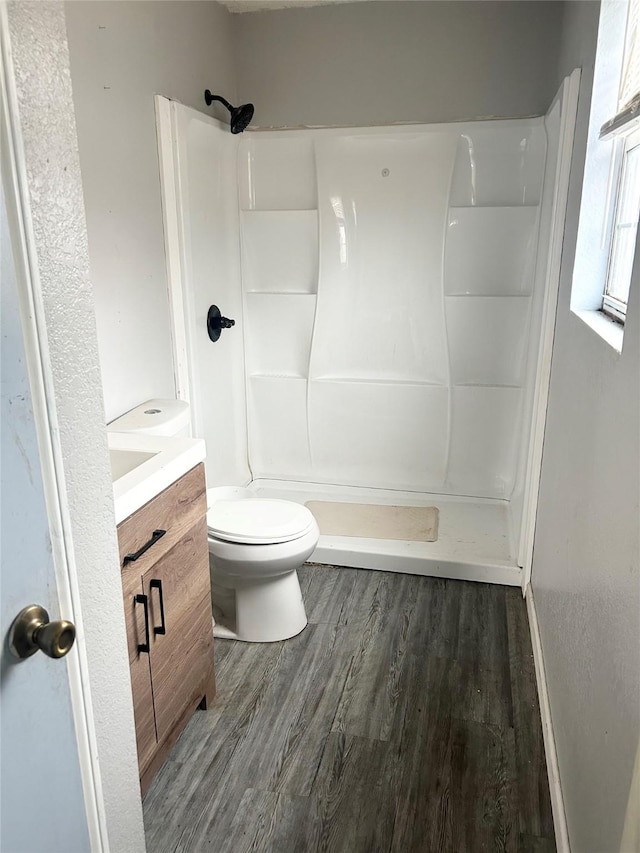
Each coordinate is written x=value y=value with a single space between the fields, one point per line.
x=474 y=541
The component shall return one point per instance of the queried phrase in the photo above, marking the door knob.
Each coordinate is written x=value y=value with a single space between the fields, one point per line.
x=31 y=630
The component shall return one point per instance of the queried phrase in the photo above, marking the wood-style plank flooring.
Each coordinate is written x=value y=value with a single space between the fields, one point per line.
x=404 y=718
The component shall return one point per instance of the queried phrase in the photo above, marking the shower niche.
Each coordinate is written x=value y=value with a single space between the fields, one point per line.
x=279 y=252
x=391 y=291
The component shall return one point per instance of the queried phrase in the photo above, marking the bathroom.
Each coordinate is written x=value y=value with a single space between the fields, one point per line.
x=371 y=65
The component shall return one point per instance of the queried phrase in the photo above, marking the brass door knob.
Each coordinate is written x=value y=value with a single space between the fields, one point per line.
x=31 y=630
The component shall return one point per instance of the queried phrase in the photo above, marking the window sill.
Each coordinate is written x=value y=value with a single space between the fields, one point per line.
x=609 y=330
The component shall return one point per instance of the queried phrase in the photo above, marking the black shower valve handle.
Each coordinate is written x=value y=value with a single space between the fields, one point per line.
x=216 y=323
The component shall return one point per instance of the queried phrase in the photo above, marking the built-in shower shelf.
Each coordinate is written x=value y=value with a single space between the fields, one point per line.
x=350 y=380
x=277 y=211
x=280 y=251
x=529 y=204
x=279 y=328
x=368 y=380
x=259 y=376
x=499 y=385
x=489 y=251
x=277 y=170
x=294 y=293
x=487 y=295
x=523 y=211
x=487 y=338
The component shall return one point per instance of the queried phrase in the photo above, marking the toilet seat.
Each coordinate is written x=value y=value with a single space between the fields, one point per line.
x=258 y=521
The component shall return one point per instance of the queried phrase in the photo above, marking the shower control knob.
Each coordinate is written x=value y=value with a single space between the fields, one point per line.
x=216 y=323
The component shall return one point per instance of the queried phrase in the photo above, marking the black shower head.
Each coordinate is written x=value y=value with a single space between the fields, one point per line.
x=240 y=116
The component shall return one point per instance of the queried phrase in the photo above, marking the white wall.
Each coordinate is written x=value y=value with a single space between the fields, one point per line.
x=122 y=53
x=456 y=209
x=206 y=218
x=586 y=577
x=374 y=63
x=61 y=268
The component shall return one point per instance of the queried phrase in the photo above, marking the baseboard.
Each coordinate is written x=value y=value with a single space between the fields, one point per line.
x=557 y=803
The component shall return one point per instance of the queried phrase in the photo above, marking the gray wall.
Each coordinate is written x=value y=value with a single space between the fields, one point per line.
x=122 y=53
x=374 y=63
x=586 y=575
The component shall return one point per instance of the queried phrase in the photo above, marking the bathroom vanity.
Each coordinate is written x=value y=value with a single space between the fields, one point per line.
x=167 y=601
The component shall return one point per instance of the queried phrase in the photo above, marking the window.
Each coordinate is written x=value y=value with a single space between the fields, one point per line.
x=624 y=230
x=630 y=77
x=610 y=204
x=626 y=162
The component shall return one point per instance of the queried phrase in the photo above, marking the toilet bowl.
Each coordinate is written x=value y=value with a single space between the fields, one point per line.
x=256 y=545
x=255 y=549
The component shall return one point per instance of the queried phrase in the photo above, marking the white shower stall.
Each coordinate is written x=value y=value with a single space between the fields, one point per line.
x=394 y=296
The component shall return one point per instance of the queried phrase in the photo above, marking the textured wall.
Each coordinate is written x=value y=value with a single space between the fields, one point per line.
x=586 y=573
x=122 y=53
x=55 y=193
x=374 y=63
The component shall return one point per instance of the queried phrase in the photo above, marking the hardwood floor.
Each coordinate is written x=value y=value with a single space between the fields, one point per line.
x=404 y=718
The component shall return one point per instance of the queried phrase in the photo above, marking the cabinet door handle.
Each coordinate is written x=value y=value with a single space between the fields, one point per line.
x=131 y=558
x=157 y=584
x=142 y=599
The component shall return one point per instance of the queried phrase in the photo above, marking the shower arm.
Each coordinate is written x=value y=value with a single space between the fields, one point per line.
x=209 y=98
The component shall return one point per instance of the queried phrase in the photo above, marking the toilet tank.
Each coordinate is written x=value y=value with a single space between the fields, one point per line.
x=155 y=417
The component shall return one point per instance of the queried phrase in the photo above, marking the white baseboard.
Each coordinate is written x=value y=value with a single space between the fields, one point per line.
x=557 y=803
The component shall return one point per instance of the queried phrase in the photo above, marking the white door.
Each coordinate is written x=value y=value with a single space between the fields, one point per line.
x=42 y=800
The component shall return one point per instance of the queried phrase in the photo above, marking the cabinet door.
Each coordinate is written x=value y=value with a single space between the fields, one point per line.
x=146 y=736
x=182 y=657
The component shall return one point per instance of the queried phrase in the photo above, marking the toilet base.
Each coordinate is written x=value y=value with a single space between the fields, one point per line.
x=265 y=612
x=223 y=633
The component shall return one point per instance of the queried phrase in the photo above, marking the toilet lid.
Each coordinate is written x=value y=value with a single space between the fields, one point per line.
x=258 y=521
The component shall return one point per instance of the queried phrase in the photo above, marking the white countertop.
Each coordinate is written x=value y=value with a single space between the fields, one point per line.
x=145 y=465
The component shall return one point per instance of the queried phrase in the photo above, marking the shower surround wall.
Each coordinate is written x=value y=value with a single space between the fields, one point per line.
x=389 y=287
x=388 y=276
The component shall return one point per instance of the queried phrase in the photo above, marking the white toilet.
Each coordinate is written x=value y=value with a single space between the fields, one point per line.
x=255 y=545
x=255 y=549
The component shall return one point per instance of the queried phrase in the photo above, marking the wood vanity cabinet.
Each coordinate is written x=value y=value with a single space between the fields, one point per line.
x=167 y=602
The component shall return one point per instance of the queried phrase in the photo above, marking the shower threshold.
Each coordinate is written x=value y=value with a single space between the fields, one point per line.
x=474 y=539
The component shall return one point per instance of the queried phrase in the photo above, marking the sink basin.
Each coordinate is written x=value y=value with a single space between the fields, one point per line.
x=123 y=461
x=142 y=466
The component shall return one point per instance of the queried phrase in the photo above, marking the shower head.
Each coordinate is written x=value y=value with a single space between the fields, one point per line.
x=240 y=116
